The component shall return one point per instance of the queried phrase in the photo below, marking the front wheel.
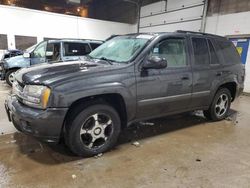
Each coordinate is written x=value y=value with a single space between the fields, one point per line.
x=220 y=106
x=93 y=130
x=10 y=76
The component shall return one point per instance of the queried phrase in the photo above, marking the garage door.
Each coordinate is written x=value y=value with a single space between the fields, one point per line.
x=172 y=15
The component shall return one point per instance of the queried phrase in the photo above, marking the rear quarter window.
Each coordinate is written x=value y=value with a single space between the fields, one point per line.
x=76 y=49
x=229 y=52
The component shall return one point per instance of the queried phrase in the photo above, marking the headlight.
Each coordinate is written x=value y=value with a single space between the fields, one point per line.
x=36 y=96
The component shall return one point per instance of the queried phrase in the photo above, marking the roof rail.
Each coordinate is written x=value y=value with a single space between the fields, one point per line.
x=76 y=39
x=197 y=33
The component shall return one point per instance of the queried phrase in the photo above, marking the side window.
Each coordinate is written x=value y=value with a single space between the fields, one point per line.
x=201 y=55
x=94 y=45
x=214 y=59
x=230 y=54
x=173 y=50
x=76 y=49
x=40 y=50
x=53 y=52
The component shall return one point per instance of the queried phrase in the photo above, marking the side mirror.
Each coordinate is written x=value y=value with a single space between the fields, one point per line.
x=155 y=62
x=26 y=55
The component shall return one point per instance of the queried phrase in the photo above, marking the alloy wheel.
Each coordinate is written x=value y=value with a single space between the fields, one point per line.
x=221 y=105
x=96 y=130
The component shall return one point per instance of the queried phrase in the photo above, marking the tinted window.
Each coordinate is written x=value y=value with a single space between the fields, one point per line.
x=201 y=55
x=3 y=42
x=6 y=56
x=23 y=42
x=229 y=52
x=94 y=45
x=173 y=50
x=76 y=49
x=213 y=55
x=53 y=52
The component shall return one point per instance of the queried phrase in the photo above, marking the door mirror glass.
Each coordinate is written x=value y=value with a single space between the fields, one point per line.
x=26 y=55
x=155 y=62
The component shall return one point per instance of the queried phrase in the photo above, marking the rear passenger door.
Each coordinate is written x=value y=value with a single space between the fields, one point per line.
x=202 y=73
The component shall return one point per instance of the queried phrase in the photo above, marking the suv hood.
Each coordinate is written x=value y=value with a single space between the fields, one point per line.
x=47 y=74
x=17 y=61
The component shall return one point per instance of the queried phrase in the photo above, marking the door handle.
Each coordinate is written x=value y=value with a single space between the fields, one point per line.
x=218 y=73
x=185 y=78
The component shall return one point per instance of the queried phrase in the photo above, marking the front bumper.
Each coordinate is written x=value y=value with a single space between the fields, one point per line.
x=46 y=125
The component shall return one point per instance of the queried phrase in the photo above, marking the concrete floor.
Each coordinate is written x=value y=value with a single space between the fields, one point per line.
x=178 y=151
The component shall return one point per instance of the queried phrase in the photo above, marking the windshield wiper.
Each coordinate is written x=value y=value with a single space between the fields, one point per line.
x=107 y=60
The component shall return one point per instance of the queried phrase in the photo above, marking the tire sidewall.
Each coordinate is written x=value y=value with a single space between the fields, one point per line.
x=74 y=140
x=8 y=74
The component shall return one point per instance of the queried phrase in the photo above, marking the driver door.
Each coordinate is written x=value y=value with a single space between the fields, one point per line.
x=168 y=90
x=39 y=54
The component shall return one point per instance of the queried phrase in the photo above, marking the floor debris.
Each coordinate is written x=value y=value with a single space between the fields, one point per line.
x=99 y=155
x=147 y=123
x=136 y=144
x=73 y=176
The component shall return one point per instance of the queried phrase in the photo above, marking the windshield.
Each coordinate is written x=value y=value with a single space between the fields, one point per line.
x=120 y=49
x=30 y=49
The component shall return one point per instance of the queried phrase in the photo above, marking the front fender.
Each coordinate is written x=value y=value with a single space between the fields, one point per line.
x=68 y=97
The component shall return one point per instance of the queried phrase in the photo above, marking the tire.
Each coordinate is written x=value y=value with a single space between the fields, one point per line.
x=10 y=76
x=93 y=130
x=220 y=106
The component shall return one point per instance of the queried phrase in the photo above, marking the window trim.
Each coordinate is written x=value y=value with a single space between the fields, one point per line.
x=193 y=56
x=185 y=47
x=32 y=53
x=210 y=56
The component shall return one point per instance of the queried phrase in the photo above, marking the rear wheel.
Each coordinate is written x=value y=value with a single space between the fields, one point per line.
x=10 y=76
x=220 y=105
x=93 y=130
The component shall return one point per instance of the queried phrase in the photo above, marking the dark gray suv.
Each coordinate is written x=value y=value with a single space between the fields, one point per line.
x=127 y=79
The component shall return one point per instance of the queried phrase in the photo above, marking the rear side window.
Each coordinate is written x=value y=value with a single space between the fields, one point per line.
x=76 y=49
x=94 y=45
x=201 y=55
x=214 y=59
x=229 y=52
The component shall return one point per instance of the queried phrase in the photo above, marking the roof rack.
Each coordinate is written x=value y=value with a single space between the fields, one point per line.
x=92 y=40
x=196 y=33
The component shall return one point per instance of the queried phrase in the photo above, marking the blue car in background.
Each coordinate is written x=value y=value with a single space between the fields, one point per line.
x=50 y=51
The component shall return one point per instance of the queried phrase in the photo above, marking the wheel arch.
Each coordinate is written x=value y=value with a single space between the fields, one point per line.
x=115 y=100
x=231 y=86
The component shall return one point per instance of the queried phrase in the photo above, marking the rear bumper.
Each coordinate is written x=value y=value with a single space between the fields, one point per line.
x=46 y=125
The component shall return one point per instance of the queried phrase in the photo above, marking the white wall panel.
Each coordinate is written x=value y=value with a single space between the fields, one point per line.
x=40 y=24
